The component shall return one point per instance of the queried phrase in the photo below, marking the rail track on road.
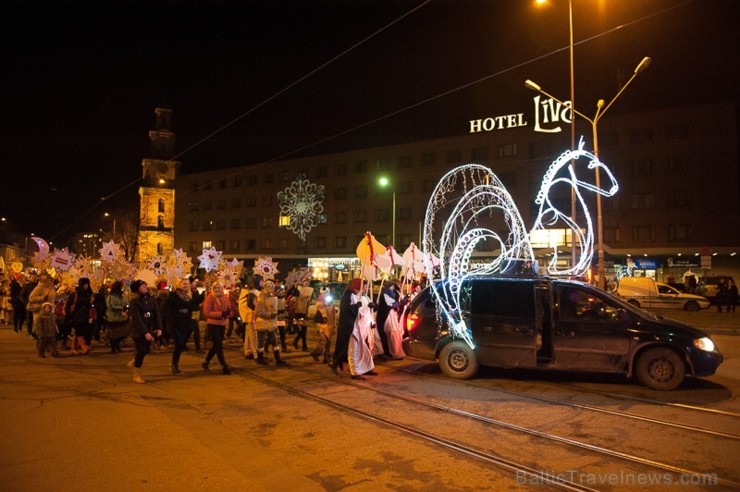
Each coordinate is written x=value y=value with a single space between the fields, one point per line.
x=547 y=451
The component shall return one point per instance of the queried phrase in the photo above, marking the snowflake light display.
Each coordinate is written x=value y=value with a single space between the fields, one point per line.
x=265 y=267
x=296 y=276
x=302 y=201
x=62 y=259
x=470 y=207
x=110 y=252
x=210 y=259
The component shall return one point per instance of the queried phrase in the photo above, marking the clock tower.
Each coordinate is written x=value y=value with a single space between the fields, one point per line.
x=157 y=191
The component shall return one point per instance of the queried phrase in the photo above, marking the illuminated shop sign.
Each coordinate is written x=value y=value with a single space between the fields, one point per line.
x=549 y=114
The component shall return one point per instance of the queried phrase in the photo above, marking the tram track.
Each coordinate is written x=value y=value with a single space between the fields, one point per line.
x=493 y=458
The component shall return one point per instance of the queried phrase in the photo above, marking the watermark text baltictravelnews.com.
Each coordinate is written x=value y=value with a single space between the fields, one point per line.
x=621 y=477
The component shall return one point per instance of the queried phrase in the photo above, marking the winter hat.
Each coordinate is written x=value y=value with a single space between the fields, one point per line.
x=136 y=284
x=51 y=306
x=355 y=284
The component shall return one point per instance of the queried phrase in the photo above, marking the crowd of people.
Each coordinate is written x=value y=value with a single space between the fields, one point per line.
x=261 y=312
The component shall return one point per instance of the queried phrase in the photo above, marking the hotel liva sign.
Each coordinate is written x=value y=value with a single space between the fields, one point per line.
x=548 y=117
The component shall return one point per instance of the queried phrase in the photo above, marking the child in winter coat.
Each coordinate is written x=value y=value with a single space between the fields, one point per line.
x=45 y=327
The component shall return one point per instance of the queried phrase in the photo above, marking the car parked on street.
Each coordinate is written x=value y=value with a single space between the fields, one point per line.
x=555 y=324
x=646 y=293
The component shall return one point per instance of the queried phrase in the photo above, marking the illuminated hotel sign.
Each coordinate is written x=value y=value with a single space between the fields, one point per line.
x=548 y=115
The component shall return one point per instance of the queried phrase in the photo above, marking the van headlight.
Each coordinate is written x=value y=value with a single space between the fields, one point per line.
x=704 y=343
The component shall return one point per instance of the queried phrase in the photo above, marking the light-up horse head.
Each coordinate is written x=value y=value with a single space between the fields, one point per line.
x=474 y=207
x=561 y=174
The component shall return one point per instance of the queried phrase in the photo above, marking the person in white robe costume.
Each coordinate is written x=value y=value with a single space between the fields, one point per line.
x=360 y=357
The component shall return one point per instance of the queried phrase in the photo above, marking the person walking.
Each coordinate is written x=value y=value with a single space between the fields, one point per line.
x=116 y=317
x=266 y=311
x=19 y=308
x=80 y=310
x=349 y=306
x=325 y=324
x=303 y=294
x=179 y=313
x=217 y=309
x=24 y=295
x=721 y=297
x=196 y=302
x=146 y=325
x=731 y=295
x=45 y=327
x=247 y=303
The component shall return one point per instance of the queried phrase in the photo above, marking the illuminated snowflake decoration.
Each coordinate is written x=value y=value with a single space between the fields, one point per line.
x=158 y=265
x=230 y=271
x=296 y=277
x=265 y=267
x=181 y=260
x=302 y=202
x=84 y=267
x=110 y=252
x=210 y=259
x=471 y=209
x=62 y=259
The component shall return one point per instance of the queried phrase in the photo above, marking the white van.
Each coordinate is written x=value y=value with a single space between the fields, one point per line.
x=646 y=293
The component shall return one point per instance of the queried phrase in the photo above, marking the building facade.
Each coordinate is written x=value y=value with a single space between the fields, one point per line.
x=678 y=206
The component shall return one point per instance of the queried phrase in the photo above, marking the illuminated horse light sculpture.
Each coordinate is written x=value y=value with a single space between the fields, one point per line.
x=473 y=205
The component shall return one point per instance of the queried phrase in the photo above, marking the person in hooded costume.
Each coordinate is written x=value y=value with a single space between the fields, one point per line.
x=349 y=306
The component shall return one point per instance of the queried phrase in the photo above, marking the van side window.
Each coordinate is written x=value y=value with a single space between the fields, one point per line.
x=575 y=304
x=507 y=299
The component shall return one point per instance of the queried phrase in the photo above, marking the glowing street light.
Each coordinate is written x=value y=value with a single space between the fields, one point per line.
x=106 y=214
x=384 y=182
x=600 y=110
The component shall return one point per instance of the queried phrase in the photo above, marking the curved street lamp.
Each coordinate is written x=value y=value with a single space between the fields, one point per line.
x=385 y=182
x=600 y=110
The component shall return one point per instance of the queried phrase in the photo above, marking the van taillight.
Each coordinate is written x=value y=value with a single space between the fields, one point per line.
x=412 y=321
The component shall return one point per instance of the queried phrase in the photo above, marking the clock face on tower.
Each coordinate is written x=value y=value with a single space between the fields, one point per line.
x=156 y=169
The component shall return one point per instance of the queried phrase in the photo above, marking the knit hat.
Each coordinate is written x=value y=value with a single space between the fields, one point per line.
x=51 y=306
x=136 y=284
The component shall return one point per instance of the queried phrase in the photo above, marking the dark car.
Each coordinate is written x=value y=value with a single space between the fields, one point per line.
x=554 y=324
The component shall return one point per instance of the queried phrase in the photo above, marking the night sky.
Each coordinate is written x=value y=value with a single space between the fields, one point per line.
x=80 y=80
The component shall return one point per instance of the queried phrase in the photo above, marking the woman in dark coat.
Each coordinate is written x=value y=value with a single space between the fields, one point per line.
x=79 y=310
x=177 y=309
x=347 y=316
x=145 y=325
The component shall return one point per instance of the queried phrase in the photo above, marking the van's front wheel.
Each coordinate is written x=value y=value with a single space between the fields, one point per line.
x=660 y=369
x=457 y=360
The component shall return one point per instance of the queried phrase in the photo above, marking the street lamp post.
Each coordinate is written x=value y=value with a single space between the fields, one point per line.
x=114 y=225
x=385 y=182
x=600 y=111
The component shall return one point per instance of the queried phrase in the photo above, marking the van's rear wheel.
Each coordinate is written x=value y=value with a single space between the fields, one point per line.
x=457 y=360
x=660 y=369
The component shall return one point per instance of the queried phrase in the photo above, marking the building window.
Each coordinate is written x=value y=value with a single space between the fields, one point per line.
x=360 y=216
x=403 y=241
x=405 y=213
x=643 y=234
x=340 y=217
x=340 y=193
x=222 y=184
x=678 y=164
x=160 y=249
x=220 y=245
x=678 y=198
x=382 y=215
x=220 y=225
x=383 y=164
x=405 y=188
x=283 y=243
x=266 y=200
x=453 y=157
x=284 y=176
x=250 y=223
x=677 y=132
x=479 y=153
x=250 y=244
x=405 y=162
x=207 y=205
x=360 y=191
x=193 y=206
x=195 y=187
x=193 y=227
x=679 y=232
x=236 y=223
x=428 y=160
x=321 y=172
x=268 y=178
x=340 y=242
x=611 y=235
x=192 y=246
x=643 y=200
x=235 y=245
x=160 y=205
x=207 y=245
x=208 y=185
x=238 y=180
x=251 y=180
x=236 y=202
x=268 y=222
x=320 y=242
x=160 y=222
x=427 y=185
x=267 y=244
x=641 y=167
x=508 y=150
x=361 y=167
x=251 y=201
x=341 y=169
x=207 y=225
x=221 y=204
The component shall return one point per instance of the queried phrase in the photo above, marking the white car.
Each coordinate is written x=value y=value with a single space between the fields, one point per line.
x=646 y=293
